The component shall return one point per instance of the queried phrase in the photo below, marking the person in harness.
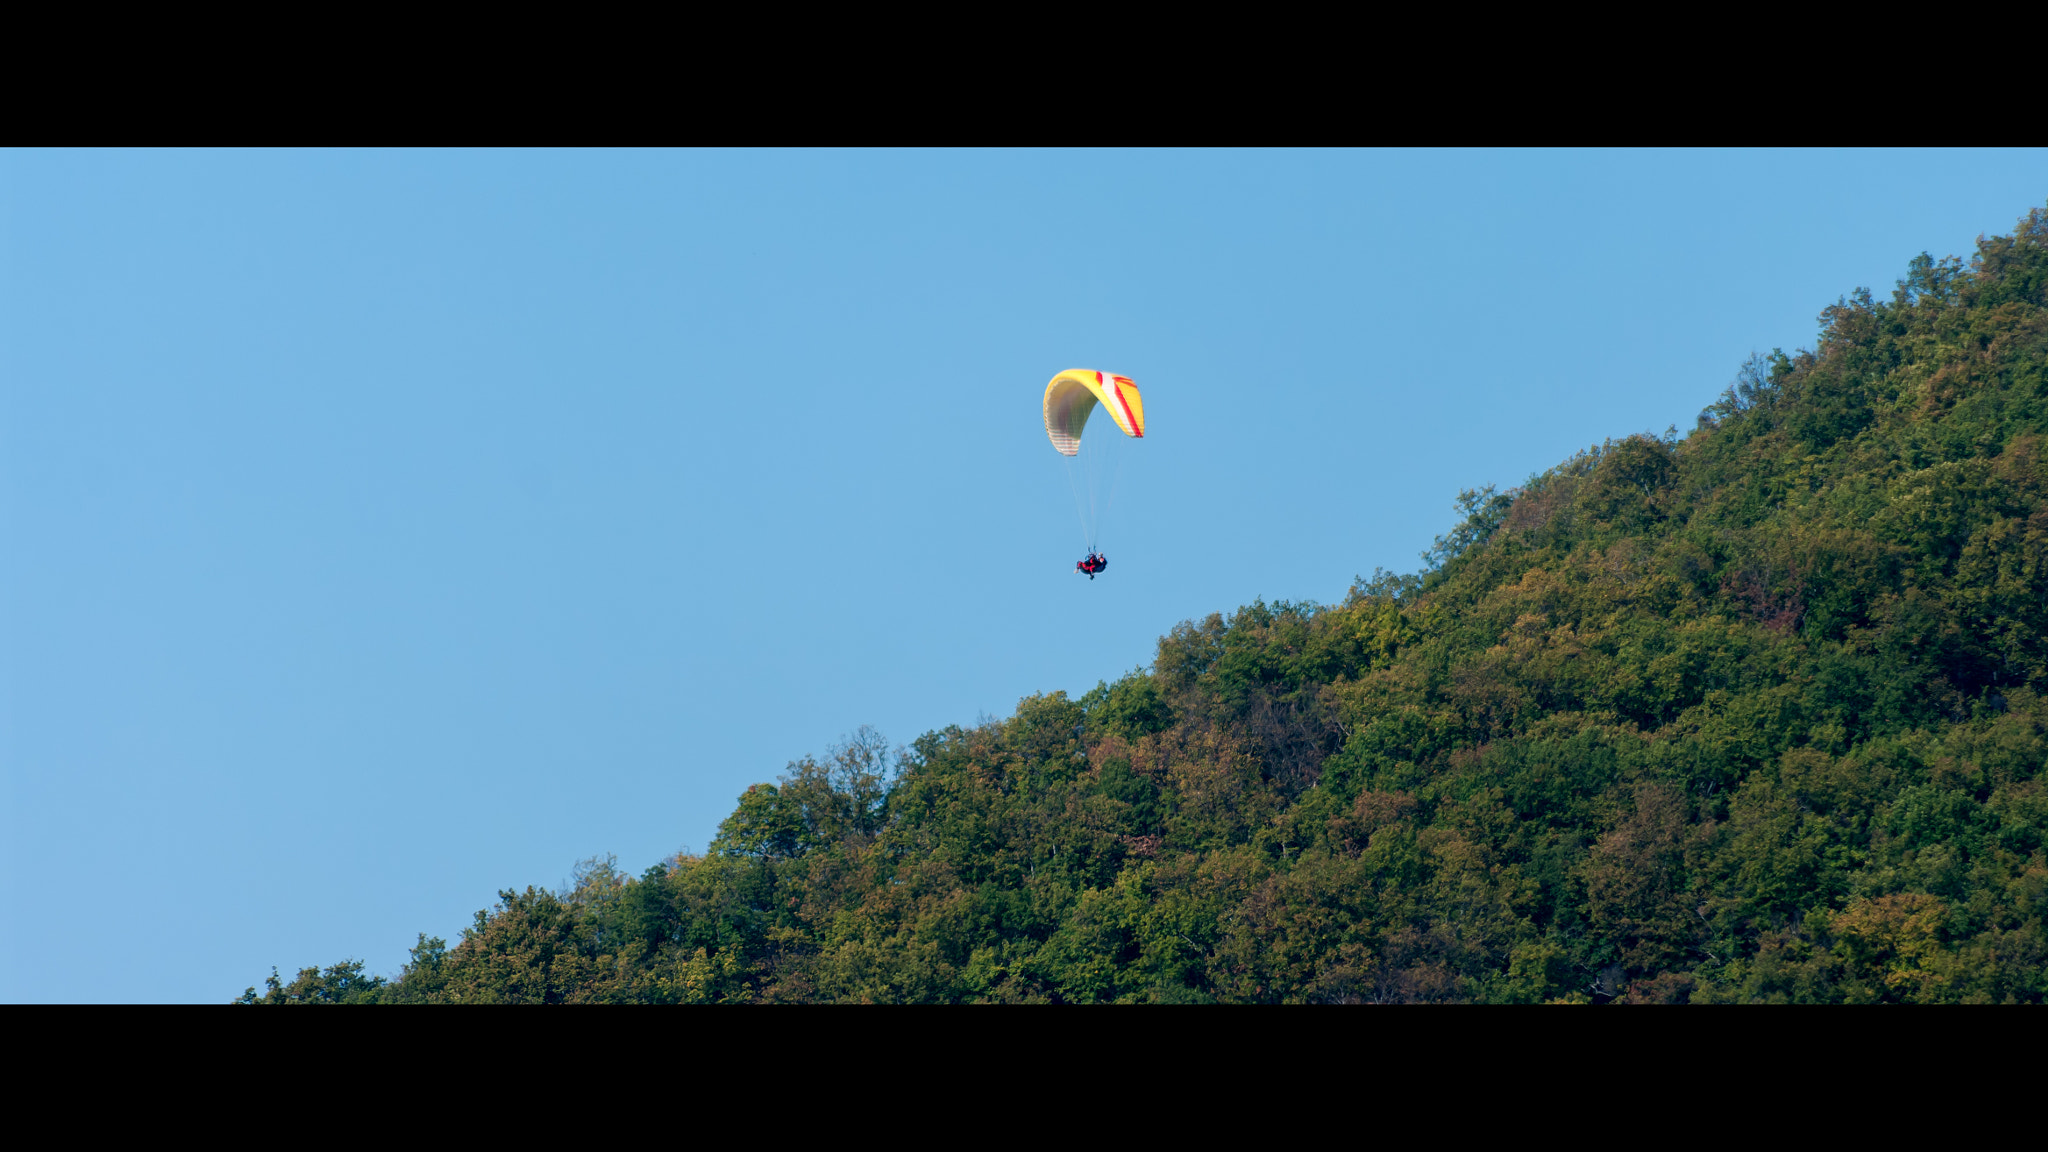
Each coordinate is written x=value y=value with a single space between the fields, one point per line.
x=1093 y=564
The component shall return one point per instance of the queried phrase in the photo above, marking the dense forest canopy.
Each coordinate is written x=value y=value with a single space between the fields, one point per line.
x=1752 y=714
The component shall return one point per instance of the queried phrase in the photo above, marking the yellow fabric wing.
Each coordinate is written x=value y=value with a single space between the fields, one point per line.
x=1073 y=396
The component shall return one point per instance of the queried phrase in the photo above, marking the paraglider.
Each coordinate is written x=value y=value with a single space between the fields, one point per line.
x=1071 y=398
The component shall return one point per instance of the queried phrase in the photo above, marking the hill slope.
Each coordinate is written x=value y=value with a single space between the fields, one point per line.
x=1755 y=714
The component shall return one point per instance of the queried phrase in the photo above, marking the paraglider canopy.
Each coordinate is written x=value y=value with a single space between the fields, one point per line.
x=1072 y=396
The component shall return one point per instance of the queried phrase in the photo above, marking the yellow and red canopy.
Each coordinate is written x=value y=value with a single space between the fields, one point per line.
x=1072 y=396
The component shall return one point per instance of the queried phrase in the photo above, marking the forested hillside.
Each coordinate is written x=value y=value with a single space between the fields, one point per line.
x=1751 y=714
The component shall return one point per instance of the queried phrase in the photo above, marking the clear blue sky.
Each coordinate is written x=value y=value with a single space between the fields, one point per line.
x=378 y=530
